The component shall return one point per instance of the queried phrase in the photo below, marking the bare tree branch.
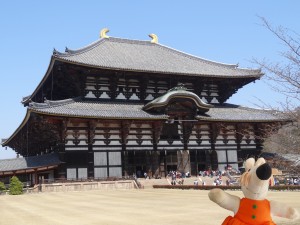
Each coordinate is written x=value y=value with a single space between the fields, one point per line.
x=284 y=77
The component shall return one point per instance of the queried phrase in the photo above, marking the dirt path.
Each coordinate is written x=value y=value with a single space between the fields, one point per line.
x=126 y=207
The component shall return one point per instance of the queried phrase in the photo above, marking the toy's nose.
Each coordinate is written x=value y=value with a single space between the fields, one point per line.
x=264 y=171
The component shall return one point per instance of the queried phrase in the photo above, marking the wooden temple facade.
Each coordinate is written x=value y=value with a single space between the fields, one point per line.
x=122 y=107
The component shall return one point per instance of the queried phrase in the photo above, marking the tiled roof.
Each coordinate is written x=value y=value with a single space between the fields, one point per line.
x=113 y=110
x=29 y=162
x=78 y=108
x=126 y=110
x=236 y=113
x=144 y=56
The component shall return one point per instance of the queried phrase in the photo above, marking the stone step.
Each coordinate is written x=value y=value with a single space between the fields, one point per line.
x=148 y=183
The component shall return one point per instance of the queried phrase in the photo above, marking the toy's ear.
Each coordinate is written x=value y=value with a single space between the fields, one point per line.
x=245 y=179
x=249 y=163
x=260 y=161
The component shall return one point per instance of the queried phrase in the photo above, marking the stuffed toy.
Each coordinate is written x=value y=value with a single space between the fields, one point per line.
x=253 y=208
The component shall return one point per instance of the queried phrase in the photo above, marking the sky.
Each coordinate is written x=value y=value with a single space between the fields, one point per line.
x=223 y=31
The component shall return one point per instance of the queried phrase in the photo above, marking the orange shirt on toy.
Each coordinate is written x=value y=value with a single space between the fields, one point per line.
x=256 y=212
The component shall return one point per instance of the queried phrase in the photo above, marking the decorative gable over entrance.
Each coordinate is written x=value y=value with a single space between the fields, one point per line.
x=177 y=96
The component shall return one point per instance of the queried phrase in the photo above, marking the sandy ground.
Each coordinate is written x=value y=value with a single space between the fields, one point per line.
x=126 y=207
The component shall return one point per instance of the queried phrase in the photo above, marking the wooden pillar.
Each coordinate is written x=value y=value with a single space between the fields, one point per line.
x=238 y=140
x=195 y=152
x=165 y=163
x=61 y=149
x=36 y=179
x=214 y=132
x=124 y=132
x=134 y=163
x=91 y=135
x=124 y=160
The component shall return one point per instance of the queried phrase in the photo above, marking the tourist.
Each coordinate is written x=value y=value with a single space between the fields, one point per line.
x=196 y=182
x=173 y=178
x=295 y=181
x=227 y=183
x=187 y=174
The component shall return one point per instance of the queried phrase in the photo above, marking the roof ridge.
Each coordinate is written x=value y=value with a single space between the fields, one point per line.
x=52 y=103
x=191 y=56
x=71 y=52
x=212 y=62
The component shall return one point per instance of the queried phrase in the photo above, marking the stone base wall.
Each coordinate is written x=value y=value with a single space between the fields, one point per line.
x=85 y=186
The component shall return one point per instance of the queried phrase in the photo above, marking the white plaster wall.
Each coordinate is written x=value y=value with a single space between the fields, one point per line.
x=231 y=142
x=71 y=173
x=100 y=172
x=76 y=148
x=115 y=172
x=134 y=97
x=149 y=97
x=82 y=173
x=100 y=159
x=121 y=96
x=105 y=148
x=232 y=155
x=114 y=158
x=90 y=95
x=221 y=156
x=104 y=96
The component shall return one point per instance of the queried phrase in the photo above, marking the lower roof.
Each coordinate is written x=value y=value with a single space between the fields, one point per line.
x=78 y=108
x=94 y=109
x=127 y=110
x=32 y=162
x=237 y=113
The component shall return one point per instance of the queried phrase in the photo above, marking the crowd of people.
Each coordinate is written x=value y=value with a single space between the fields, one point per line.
x=176 y=175
x=217 y=177
x=291 y=181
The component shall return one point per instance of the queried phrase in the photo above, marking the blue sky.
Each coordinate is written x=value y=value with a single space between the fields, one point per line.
x=224 y=31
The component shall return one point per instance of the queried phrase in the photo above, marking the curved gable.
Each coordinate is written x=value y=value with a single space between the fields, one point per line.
x=179 y=95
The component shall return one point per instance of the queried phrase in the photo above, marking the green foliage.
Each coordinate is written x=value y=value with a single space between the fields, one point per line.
x=2 y=187
x=15 y=186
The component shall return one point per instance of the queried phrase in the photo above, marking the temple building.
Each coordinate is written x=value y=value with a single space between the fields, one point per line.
x=120 y=107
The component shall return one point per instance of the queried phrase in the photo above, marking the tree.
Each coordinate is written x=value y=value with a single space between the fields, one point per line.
x=2 y=187
x=15 y=186
x=284 y=77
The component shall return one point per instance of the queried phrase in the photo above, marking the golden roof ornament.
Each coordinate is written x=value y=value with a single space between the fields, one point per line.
x=103 y=33
x=154 y=38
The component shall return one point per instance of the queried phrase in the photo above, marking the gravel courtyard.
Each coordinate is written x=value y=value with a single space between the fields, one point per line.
x=126 y=207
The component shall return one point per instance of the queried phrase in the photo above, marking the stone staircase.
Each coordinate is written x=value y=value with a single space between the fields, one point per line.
x=148 y=183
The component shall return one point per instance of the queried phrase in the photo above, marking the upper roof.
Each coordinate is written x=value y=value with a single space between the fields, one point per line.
x=145 y=56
